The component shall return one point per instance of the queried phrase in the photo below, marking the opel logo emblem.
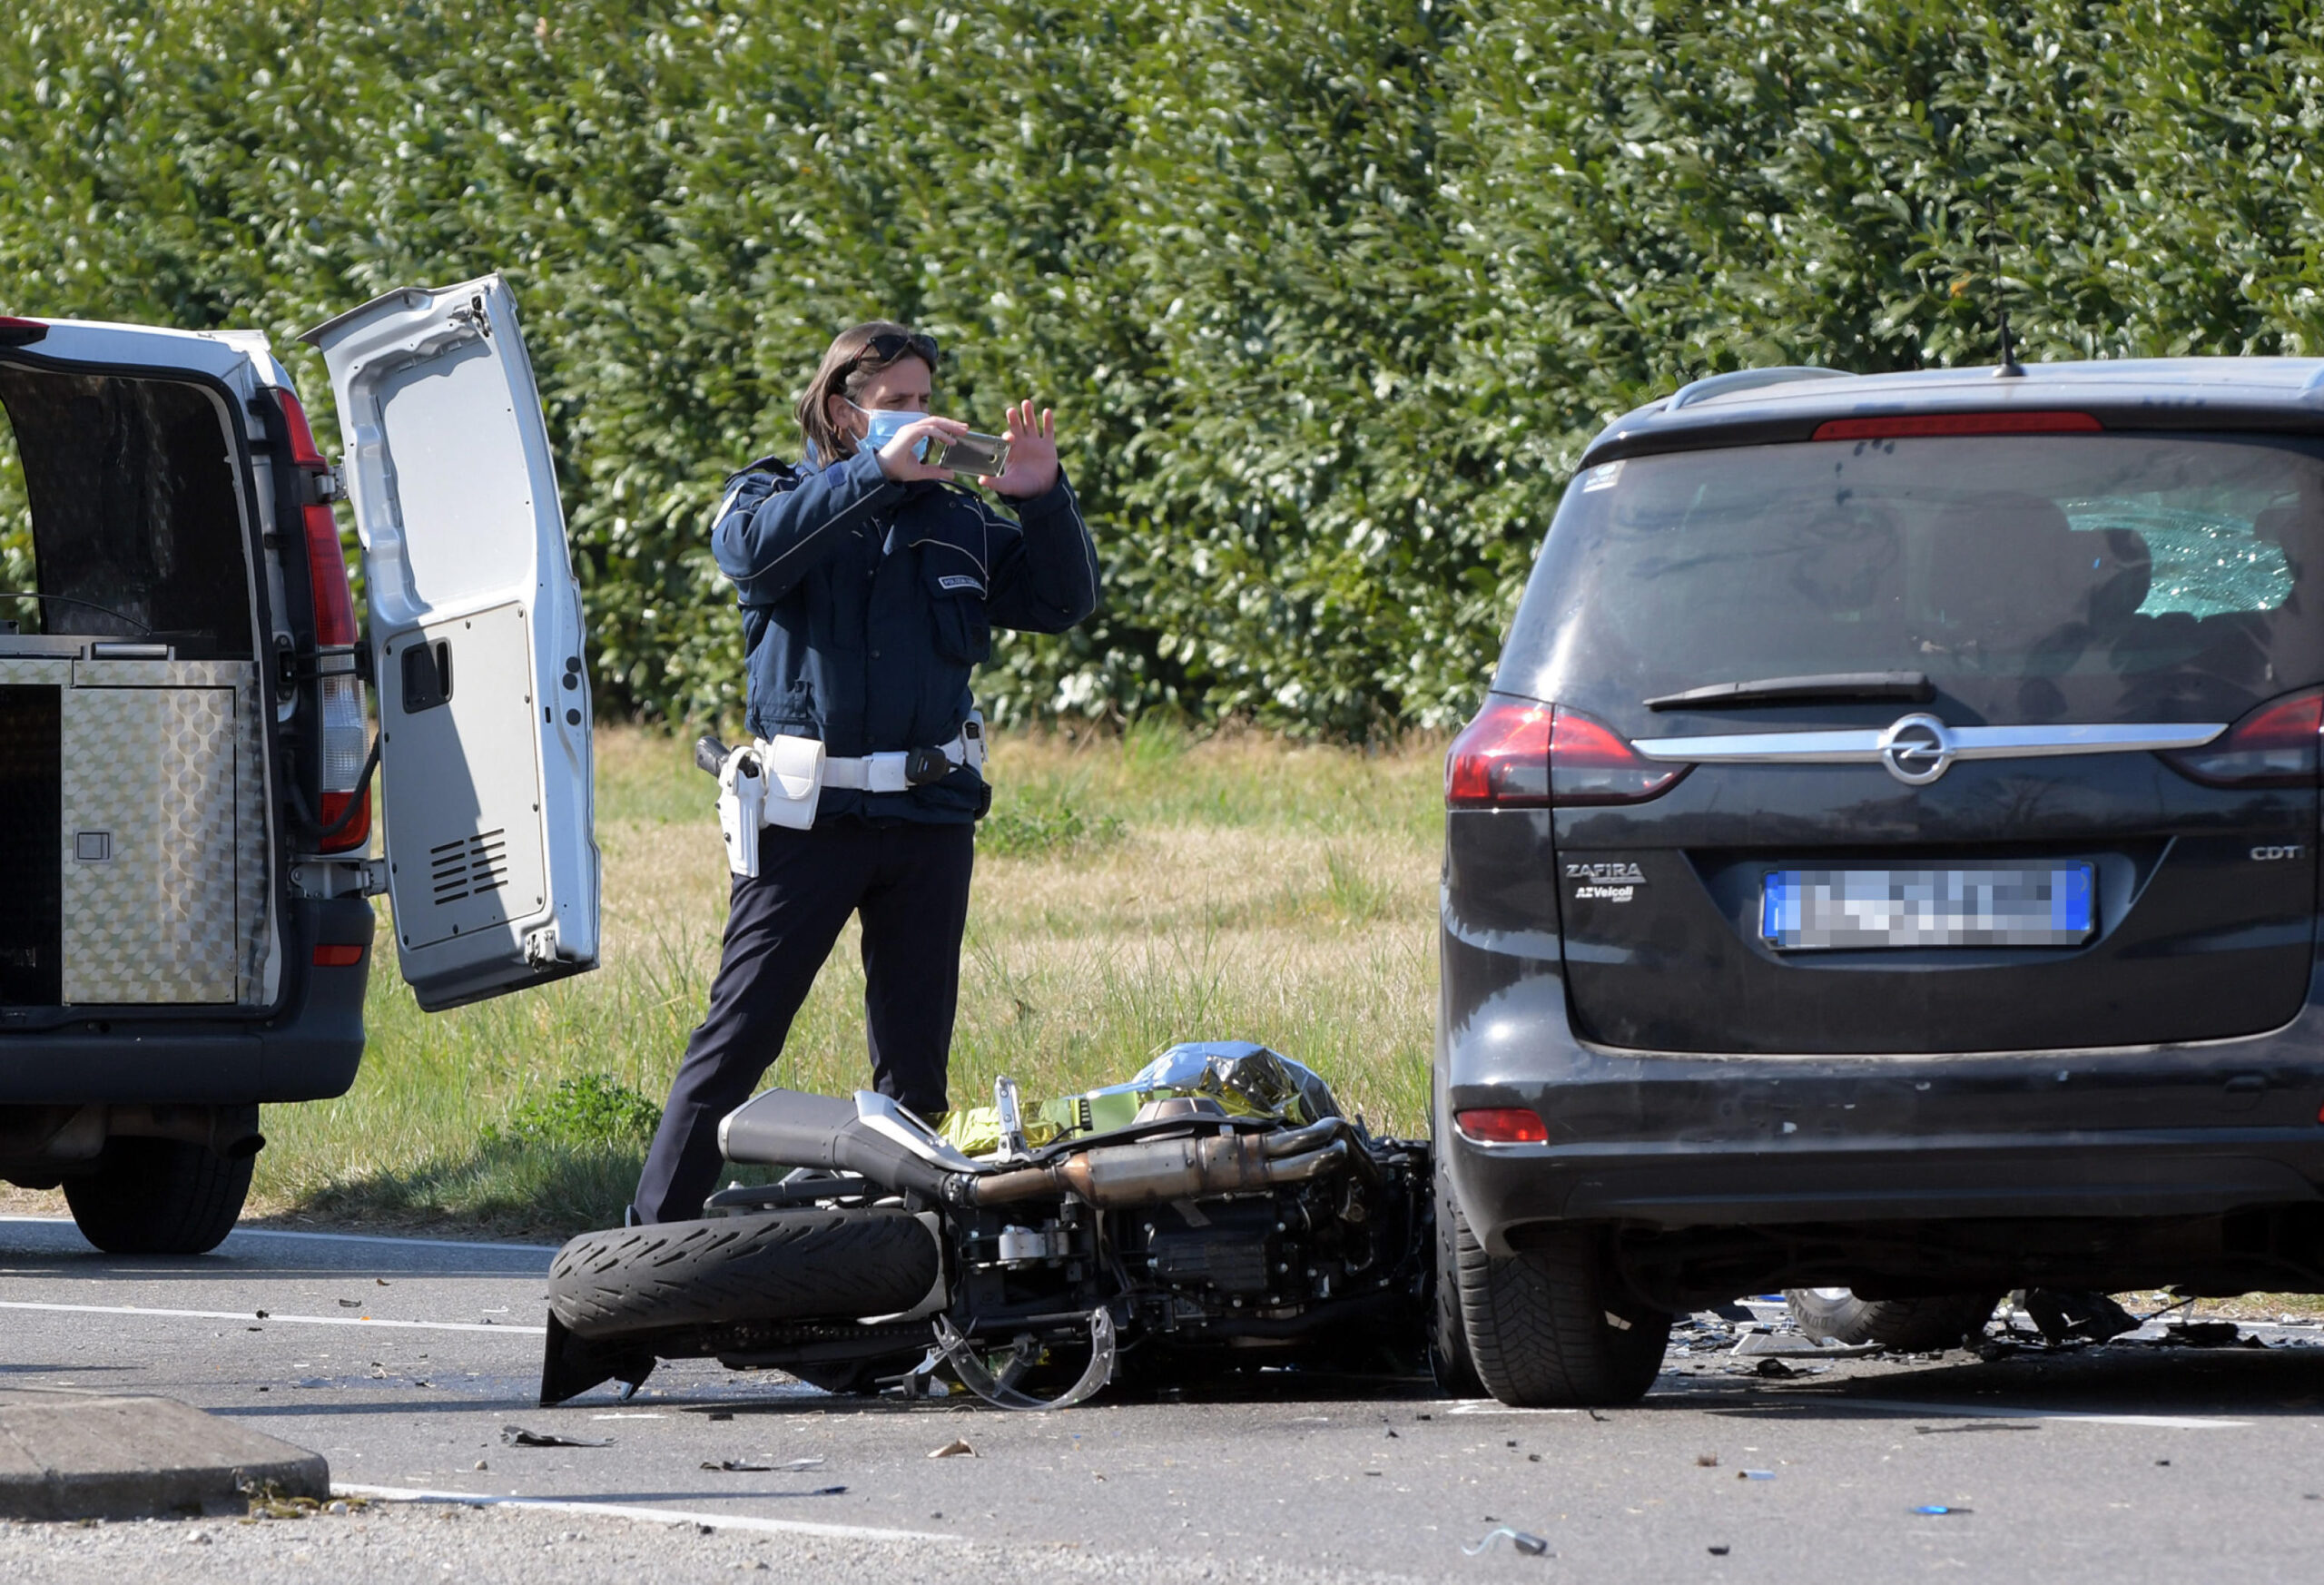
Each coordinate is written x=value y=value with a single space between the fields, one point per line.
x=1916 y=750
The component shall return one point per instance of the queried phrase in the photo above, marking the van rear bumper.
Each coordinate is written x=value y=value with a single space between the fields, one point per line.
x=1675 y=1141
x=307 y=1051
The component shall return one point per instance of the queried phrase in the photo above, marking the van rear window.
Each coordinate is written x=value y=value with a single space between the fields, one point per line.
x=2033 y=578
x=129 y=520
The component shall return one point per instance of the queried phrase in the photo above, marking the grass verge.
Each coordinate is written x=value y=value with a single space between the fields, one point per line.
x=1130 y=892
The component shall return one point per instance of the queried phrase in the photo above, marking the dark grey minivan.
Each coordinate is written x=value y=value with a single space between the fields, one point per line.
x=1885 y=866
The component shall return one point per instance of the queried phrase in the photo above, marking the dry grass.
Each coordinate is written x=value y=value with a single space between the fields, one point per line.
x=1238 y=887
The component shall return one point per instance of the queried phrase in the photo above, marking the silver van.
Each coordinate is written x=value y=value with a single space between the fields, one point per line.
x=186 y=765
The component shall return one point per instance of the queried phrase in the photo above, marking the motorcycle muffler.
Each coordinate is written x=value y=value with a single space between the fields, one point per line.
x=1159 y=1170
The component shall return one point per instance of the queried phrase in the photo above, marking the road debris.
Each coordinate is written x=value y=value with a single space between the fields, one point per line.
x=748 y=1467
x=1707 y=1461
x=1525 y=1541
x=1941 y=1510
x=2072 y=1315
x=1718 y=1551
x=517 y=1436
x=957 y=1448
x=1755 y=1474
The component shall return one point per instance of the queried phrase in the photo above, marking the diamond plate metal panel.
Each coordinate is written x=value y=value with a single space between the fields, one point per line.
x=174 y=910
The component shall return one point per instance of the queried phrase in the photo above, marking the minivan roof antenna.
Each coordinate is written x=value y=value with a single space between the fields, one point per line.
x=2009 y=368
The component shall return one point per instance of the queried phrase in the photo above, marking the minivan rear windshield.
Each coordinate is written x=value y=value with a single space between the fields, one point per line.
x=2031 y=578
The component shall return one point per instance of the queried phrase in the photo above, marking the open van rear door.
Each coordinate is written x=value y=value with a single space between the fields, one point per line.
x=475 y=640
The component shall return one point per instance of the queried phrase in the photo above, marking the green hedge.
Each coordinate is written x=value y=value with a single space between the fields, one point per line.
x=1329 y=295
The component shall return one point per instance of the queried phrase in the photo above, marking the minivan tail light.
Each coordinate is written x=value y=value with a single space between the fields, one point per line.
x=1889 y=428
x=1502 y=759
x=1519 y=754
x=1503 y=1126
x=1590 y=762
x=2274 y=745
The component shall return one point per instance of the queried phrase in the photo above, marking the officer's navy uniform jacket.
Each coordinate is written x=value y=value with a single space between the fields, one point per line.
x=866 y=602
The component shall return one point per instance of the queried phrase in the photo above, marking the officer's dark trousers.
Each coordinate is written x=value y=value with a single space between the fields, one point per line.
x=911 y=883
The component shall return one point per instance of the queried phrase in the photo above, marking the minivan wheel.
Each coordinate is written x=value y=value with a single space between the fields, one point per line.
x=159 y=1197
x=1922 y=1325
x=1551 y=1327
x=1449 y=1360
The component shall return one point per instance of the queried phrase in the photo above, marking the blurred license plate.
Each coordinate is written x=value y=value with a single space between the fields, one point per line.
x=1997 y=905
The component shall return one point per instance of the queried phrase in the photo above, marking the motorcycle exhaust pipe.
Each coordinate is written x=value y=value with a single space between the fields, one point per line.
x=1159 y=1170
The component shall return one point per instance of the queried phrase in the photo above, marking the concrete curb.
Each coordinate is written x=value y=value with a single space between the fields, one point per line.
x=67 y=1454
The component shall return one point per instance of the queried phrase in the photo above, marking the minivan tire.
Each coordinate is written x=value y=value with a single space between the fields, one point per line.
x=1551 y=1327
x=1449 y=1359
x=818 y=1264
x=1922 y=1325
x=159 y=1197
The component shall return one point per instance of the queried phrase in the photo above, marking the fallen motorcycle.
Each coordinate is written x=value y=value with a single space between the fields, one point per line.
x=1218 y=1210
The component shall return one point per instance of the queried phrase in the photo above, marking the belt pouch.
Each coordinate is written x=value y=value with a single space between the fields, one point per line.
x=794 y=780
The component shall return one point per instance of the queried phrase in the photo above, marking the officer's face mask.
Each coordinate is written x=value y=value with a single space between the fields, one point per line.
x=884 y=424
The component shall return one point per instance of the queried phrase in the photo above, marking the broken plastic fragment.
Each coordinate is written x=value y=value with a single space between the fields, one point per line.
x=1755 y=1474
x=517 y=1436
x=1531 y=1545
x=957 y=1448
x=1939 y=1509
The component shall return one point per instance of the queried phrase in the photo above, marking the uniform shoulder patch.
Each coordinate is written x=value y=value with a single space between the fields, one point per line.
x=954 y=581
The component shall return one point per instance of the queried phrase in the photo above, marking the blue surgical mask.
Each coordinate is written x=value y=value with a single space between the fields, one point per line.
x=886 y=424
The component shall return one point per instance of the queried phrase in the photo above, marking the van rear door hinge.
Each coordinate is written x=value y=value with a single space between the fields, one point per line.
x=314 y=876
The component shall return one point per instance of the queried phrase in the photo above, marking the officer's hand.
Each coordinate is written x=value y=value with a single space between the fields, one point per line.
x=900 y=457
x=1032 y=454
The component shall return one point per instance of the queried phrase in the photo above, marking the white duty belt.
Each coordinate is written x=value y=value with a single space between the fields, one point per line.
x=904 y=769
x=780 y=781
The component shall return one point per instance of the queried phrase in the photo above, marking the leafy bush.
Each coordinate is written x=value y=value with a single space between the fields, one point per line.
x=589 y=1109
x=1330 y=297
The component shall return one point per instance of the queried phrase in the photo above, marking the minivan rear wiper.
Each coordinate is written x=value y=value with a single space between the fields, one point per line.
x=1833 y=687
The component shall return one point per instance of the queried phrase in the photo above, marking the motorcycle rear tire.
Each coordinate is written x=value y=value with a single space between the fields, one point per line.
x=815 y=1264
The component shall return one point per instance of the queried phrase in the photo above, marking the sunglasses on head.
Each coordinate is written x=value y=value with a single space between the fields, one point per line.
x=889 y=345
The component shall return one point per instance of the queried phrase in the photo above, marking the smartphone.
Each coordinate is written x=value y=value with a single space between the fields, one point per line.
x=969 y=456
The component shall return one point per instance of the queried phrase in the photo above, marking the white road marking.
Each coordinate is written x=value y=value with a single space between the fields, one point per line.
x=652 y=1515
x=253 y=1318
x=325 y=1237
x=1995 y=1412
x=1493 y=1406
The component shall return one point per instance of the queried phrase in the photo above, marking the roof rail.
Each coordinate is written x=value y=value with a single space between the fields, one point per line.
x=1717 y=384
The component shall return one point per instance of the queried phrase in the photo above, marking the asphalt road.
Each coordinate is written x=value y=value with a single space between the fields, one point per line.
x=402 y=1361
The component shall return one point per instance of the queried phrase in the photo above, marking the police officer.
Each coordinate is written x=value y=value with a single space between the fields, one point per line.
x=869 y=585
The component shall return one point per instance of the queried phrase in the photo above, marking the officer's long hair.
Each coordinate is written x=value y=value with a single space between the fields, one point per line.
x=844 y=371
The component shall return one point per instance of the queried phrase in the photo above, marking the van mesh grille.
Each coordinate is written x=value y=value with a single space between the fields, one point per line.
x=469 y=867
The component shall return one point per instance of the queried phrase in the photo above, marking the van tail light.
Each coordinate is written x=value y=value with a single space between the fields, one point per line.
x=343 y=739
x=1503 y=1126
x=1518 y=754
x=2274 y=745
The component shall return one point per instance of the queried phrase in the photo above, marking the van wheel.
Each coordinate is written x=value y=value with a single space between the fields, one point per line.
x=159 y=1197
x=1449 y=1360
x=1922 y=1325
x=1550 y=1327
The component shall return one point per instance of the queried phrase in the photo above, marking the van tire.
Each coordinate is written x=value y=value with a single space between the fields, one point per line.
x=159 y=1197
x=815 y=1264
x=1542 y=1327
x=1449 y=1359
x=1922 y=1325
